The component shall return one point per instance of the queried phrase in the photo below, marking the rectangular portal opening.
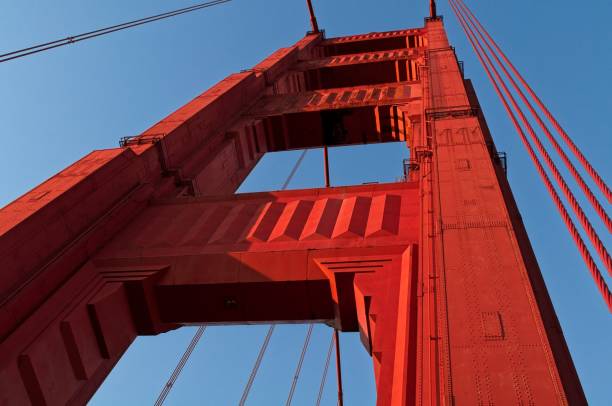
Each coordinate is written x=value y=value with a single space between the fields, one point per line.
x=348 y=165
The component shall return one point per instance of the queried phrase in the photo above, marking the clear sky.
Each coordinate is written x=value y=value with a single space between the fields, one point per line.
x=57 y=106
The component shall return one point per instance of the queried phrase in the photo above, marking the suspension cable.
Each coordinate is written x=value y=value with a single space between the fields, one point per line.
x=262 y=352
x=179 y=367
x=325 y=369
x=298 y=369
x=584 y=221
x=592 y=266
x=570 y=166
x=103 y=31
x=577 y=153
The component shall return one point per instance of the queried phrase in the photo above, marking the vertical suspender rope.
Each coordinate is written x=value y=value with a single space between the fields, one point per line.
x=601 y=283
x=264 y=346
x=326 y=165
x=325 y=369
x=338 y=367
x=179 y=367
x=577 y=153
x=298 y=369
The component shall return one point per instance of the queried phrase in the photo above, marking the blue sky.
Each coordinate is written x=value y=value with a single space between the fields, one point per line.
x=57 y=106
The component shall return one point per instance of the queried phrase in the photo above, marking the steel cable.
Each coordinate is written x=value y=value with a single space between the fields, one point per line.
x=294 y=170
x=179 y=367
x=103 y=31
x=592 y=266
x=578 y=211
x=577 y=153
x=585 y=188
x=298 y=369
x=262 y=352
x=325 y=369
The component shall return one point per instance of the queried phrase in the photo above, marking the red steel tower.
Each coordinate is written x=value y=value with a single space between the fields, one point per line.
x=435 y=272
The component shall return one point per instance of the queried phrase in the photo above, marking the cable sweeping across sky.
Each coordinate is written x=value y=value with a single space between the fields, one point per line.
x=298 y=369
x=570 y=143
x=179 y=368
x=103 y=31
x=490 y=44
x=325 y=369
x=578 y=211
x=506 y=97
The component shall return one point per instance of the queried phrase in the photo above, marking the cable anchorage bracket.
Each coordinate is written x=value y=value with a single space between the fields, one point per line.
x=131 y=140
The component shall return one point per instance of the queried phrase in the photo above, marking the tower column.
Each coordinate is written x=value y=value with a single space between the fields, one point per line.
x=487 y=336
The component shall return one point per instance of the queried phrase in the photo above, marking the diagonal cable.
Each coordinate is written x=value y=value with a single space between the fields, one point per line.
x=592 y=266
x=294 y=170
x=262 y=352
x=298 y=369
x=578 y=211
x=325 y=369
x=179 y=367
x=103 y=31
x=570 y=143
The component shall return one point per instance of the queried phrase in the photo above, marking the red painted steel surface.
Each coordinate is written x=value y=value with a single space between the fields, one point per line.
x=436 y=273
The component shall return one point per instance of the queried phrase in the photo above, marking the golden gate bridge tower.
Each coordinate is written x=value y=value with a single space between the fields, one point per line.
x=435 y=272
